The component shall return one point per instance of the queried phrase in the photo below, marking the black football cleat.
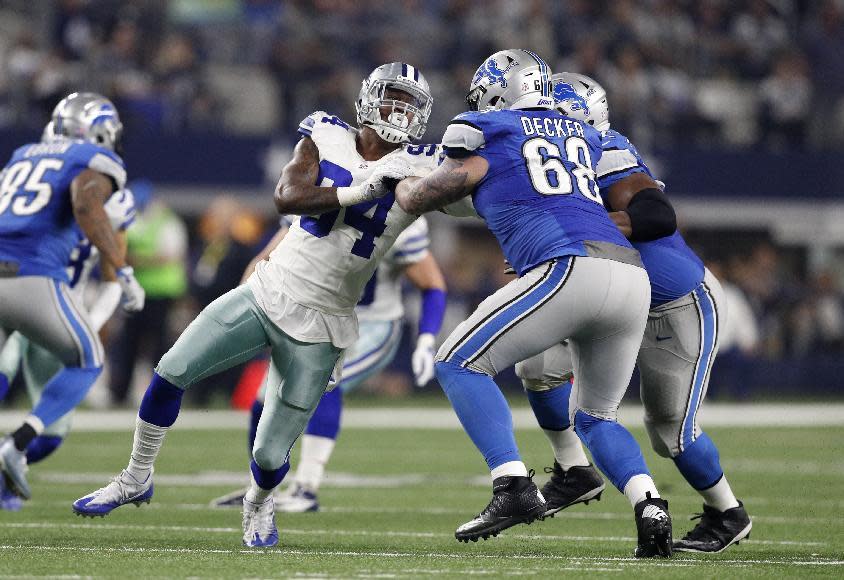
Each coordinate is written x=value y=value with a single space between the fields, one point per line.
x=654 y=526
x=716 y=531
x=515 y=500
x=578 y=484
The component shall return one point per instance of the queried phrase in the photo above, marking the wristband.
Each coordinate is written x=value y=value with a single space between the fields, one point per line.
x=353 y=195
x=433 y=311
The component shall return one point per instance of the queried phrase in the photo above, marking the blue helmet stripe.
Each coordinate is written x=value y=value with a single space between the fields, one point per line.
x=404 y=70
x=543 y=71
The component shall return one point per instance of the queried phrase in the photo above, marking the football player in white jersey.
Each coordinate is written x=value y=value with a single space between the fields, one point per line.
x=300 y=303
x=380 y=313
x=37 y=363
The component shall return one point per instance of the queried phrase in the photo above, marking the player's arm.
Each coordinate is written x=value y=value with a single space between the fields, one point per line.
x=453 y=180
x=108 y=296
x=640 y=209
x=296 y=193
x=89 y=191
x=428 y=278
x=264 y=254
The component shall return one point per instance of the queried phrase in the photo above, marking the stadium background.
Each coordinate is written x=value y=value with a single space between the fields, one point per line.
x=738 y=106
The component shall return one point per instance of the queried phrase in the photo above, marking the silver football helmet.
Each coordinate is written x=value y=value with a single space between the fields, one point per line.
x=89 y=117
x=581 y=97
x=511 y=79
x=392 y=119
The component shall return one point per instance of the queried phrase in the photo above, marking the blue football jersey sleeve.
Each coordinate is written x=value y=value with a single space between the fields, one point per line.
x=539 y=196
x=37 y=227
x=673 y=268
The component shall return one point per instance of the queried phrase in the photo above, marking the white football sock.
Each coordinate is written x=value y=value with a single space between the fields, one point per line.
x=720 y=496
x=145 y=448
x=568 y=450
x=511 y=468
x=314 y=455
x=256 y=493
x=638 y=487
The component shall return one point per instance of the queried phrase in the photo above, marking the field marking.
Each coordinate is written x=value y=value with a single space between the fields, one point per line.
x=711 y=415
x=362 y=533
x=442 y=555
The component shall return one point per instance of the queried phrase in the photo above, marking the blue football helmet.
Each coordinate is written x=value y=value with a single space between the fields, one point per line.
x=581 y=97
x=511 y=79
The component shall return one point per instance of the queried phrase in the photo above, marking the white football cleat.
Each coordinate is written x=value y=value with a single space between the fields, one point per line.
x=259 y=530
x=121 y=490
x=297 y=499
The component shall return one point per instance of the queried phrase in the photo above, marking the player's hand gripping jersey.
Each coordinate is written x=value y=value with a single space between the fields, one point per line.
x=37 y=226
x=325 y=261
x=672 y=266
x=539 y=196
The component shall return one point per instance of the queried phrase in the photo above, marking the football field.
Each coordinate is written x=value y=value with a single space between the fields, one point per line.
x=393 y=498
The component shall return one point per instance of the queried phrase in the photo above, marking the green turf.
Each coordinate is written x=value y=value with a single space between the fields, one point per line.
x=792 y=481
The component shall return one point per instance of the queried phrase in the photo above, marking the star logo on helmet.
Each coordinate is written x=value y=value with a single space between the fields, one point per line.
x=490 y=71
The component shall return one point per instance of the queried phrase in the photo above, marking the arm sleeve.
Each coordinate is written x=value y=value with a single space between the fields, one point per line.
x=105 y=162
x=651 y=215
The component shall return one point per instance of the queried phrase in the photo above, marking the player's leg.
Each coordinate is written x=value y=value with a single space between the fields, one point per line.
x=10 y=359
x=39 y=366
x=546 y=378
x=604 y=353
x=520 y=320
x=374 y=350
x=229 y=331
x=61 y=326
x=680 y=344
x=298 y=377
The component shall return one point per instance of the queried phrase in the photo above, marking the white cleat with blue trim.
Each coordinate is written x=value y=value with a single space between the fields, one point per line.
x=121 y=490
x=259 y=530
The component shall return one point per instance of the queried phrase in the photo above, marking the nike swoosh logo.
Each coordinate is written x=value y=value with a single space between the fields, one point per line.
x=661 y=338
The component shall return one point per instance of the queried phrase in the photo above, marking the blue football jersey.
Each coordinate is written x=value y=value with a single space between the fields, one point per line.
x=37 y=227
x=539 y=196
x=674 y=269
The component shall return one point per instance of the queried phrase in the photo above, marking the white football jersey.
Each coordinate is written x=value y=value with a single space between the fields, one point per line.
x=120 y=209
x=381 y=298
x=325 y=261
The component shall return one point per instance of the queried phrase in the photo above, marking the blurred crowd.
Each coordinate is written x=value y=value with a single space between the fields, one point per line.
x=711 y=73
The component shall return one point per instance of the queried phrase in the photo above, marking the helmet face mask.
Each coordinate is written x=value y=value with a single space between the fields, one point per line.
x=511 y=79
x=89 y=117
x=581 y=97
x=395 y=102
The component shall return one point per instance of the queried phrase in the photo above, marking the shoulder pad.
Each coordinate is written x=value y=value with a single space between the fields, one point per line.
x=321 y=119
x=464 y=133
x=103 y=161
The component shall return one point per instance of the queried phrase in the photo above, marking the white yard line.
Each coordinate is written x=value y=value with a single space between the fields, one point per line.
x=356 y=533
x=711 y=415
x=435 y=555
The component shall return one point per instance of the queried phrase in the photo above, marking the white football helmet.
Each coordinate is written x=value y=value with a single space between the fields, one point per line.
x=404 y=121
x=89 y=117
x=581 y=97
x=511 y=79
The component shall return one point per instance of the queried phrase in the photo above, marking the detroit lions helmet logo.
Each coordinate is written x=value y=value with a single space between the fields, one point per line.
x=489 y=70
x=566 y=92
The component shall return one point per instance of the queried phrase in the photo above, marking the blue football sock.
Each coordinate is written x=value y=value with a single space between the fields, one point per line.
x=614 y=450
x=4 y=386
x=63 y=392
x=161 y=403
x=42 y=447
x=268 y=479
x=700 y=463
x=325 y=421
x=551 y=407
x=482 y=410
x=254 y=417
